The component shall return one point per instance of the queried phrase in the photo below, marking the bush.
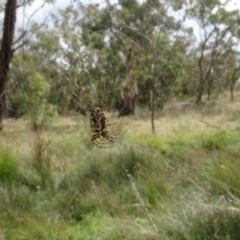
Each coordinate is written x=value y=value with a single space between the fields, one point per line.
x=40 y=111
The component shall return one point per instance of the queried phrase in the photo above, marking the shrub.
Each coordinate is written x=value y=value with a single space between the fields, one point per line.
x=40 y=111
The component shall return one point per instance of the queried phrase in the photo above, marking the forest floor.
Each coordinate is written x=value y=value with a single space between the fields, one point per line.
x=183 y=182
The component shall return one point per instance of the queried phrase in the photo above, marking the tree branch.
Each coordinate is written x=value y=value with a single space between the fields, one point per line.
x=19 y=46
x=20 y=37
x=23 y=3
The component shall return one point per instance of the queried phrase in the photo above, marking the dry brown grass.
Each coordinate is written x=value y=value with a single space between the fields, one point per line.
x=176 y=118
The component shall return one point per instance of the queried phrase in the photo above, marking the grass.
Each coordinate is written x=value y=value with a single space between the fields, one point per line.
x=182 y=183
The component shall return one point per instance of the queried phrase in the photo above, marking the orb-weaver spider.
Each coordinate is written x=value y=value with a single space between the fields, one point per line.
x=99 y=125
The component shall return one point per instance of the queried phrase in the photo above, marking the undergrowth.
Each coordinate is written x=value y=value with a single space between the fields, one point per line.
x=186 y=186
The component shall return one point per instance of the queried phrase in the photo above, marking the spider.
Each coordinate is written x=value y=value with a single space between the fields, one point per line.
x=99 y=125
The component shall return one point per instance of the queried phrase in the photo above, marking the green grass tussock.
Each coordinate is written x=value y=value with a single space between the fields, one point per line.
x=8 y=166
x=216 y=223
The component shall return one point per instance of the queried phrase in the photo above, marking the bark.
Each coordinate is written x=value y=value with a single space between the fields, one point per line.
x=130 y=90
x=233 y=80
x=209 y=94
x=201 y=85
x=204 y=72
x=152 y=97
x=205 y=79
x=231 y=90
x=200 y=90
x=210 y=87
x=130 y=96
x=6 y=51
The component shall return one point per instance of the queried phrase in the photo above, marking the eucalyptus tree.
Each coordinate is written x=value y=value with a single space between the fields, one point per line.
x=230 y=64
x=123 y=32
x=218 y=34
x=163 y=72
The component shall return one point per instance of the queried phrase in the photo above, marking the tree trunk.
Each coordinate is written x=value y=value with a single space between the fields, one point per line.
x=130 y=89
x=152 y=98
x=233 y=81
x=209 y=94
x=231 y=90
x=149 y=100
x=130 y=96
x=6 y=51
x=200 y=91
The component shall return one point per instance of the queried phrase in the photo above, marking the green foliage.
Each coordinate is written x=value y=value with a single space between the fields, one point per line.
x=93 y=48
x=217 y=43
x=142 y=20
x=8 y=166
x=18 y=101
x=40 y=111
x=22 y=67
x=30 y=92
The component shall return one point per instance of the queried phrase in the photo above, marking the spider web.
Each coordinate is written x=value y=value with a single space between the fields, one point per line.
x=174 y=101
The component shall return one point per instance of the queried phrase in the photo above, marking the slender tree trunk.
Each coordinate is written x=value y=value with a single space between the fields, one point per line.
x=201 y=85
x=152 y=97
x=204 y=78
x=231 y=90
x=233 y=81
x=149 y=101
x=200 y=91
x=204 y=81
x=6 y=51
x=209 y=94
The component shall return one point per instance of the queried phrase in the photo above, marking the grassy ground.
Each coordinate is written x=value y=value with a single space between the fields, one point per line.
x=181 y=183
